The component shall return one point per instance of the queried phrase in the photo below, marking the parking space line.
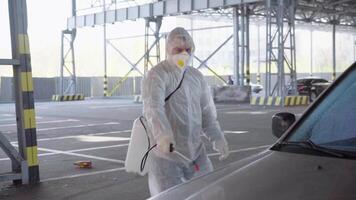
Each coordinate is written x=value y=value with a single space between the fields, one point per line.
x=115 y=106
x=227 y=108
x=124 y=131
x=83 y=174
x=8 y=115
x=81 y=155
x=78 y=126
x=96 y=148
x=74 y=136
x=248 y=112
x=236 y=132
x=45 y=122
x=76 y=150
x=8 y=119
x=242 y=150
x=123 y=168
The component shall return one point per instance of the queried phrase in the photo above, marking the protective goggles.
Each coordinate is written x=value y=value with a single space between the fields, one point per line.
x=177 y=50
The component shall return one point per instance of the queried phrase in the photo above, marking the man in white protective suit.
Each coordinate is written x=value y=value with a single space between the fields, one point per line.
x=181 y=121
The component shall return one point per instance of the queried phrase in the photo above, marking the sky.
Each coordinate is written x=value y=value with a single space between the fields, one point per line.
x=47 y=18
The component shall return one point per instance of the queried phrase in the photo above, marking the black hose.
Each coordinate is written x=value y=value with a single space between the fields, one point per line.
x=144 y=158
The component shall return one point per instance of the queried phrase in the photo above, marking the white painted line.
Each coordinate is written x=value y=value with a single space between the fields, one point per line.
x=77 y=150
x=83 y=174
x=124 y=131
x=58 y=121
x=8 y=115
x=229 y=108
x=236 y=132
x=78 y=126
x=242 y=150
x=96 y=148
x=91 y=138
x=46 y=122
x=116 y=106
x=123 y=168
x=9 y=119
x=74 y=136
x=43 y=154
x=81 y=155
x=248 y=112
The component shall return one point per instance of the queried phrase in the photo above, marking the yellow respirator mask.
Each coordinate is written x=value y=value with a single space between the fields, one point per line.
x=181 y=60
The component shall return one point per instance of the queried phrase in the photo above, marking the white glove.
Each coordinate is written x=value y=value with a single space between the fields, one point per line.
x=164 y=143
x=221 y=147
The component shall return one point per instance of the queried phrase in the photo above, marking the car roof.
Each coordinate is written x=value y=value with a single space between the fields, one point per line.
x=310 y=77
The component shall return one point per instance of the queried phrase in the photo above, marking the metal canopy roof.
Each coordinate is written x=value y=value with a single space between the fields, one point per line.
x=339 y=12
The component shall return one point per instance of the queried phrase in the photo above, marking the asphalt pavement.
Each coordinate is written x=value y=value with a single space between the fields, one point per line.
x=98 y=131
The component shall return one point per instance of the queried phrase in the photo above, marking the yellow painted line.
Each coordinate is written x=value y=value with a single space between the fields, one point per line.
x=32 y=156
x=29 y=118
x=24 y=47
x=26 y=82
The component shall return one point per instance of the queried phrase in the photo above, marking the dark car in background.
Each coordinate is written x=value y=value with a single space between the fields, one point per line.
x=311 y=86
x=314 y=158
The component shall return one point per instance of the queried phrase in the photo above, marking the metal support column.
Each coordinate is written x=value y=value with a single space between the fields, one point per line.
x=334 y=51
x=280 y=47
x=152 y=30
x=241 y=44
x=23 y=89
x=69 y=37
x=247 y=43
x=354 y=45
x=105 y=80
x=259 y=54
x=311 y=51
x=236 y=45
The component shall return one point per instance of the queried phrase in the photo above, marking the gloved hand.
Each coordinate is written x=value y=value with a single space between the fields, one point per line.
x=163 y=144
x=221 y=147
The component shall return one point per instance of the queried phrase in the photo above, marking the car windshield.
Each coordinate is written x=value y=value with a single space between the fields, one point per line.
x=332 y=124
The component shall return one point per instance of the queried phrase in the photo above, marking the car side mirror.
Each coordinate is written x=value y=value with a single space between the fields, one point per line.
x=281 y=122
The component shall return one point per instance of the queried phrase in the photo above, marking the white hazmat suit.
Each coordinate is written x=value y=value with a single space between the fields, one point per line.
x=182 y=121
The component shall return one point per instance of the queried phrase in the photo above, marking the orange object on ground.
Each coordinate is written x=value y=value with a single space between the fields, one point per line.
x=83 y=164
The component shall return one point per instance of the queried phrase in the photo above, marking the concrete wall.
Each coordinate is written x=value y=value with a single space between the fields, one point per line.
x=44 y=88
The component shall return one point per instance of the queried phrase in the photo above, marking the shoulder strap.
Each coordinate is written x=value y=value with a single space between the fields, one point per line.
x=169 y=96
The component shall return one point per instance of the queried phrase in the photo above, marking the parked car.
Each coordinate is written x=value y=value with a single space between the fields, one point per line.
x=311 y=86
x=314 y=158
x=255 y=87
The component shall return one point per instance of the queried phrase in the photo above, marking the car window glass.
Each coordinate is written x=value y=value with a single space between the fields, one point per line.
x=333 y=122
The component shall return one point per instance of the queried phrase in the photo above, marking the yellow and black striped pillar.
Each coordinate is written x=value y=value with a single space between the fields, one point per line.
x=105 y=86
x=29 y=120
x=25 y=109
